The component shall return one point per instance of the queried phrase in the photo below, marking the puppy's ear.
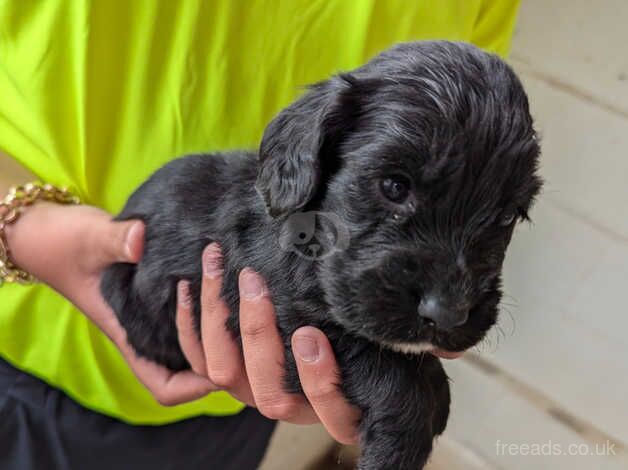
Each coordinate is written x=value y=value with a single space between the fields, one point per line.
x=299 y=142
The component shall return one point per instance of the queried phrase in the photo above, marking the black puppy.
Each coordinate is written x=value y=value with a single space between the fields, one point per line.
x=379 y=211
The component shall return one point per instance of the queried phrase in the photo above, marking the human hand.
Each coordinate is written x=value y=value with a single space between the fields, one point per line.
x=256 y=376
x=68 y=248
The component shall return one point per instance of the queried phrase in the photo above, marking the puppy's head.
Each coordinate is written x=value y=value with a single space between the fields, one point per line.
x=428 y=156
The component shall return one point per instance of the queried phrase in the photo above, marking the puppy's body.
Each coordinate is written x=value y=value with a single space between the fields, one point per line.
x=425 y=157
x=179 y=225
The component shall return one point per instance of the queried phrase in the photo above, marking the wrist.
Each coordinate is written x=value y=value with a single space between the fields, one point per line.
x=18 y=210
x=23 y=233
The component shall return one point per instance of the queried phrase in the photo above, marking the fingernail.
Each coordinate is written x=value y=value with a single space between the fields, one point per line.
x=251 y=285
x=212 y=262
x=306 y=348
x=183 y=293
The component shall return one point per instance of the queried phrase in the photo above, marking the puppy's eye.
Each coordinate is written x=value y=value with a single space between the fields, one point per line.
x=508 y=219
x=395 y=188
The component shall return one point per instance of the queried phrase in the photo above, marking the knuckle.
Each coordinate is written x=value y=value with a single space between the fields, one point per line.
x=278 y=409
x=323 y=393
x=187 y=331
x=224 y=378
x=211 y=304
x=200 y=370
x=254 y=330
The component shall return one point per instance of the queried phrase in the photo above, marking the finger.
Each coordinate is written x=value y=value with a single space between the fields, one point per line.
x=223 y=358
x=320 y=377
x=124 y=242
x=264 y=354
x=169 y=388
x=187 y=332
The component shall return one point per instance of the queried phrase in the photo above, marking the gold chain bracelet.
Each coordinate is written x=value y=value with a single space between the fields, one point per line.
x=11 y=207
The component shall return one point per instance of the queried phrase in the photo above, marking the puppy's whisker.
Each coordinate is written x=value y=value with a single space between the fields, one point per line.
x=421 y=358
x=510 y=297
x=512 y=321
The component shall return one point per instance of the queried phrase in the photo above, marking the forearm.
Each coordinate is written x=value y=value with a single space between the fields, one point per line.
x=12 y=173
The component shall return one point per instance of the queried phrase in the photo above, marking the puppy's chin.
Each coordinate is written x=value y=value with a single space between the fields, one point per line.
x=408 y=348
x=421 y=341
x=447 y=348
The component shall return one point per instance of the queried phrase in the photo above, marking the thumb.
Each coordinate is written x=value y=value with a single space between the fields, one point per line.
x=124 y=242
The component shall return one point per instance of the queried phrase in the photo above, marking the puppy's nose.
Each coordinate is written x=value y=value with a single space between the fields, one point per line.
x=314 y=247
x=434 y=310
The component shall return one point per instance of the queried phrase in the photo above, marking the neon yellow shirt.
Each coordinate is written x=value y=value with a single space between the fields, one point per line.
x=98 y=94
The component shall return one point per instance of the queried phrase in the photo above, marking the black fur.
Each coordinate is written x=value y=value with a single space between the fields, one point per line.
x=450 y=119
